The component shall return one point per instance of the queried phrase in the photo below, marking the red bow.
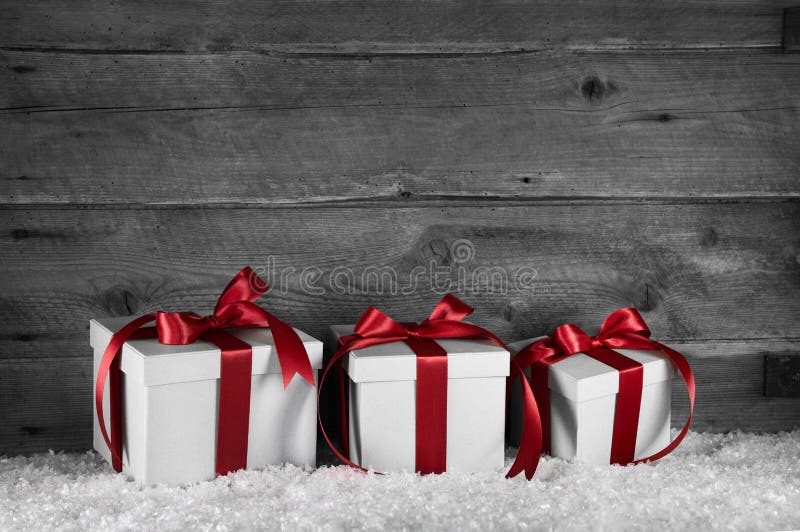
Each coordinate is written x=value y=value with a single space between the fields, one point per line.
x=374 y=327
x=622 y=329
x=235 y=308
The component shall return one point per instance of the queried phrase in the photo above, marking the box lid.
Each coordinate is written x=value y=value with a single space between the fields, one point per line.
x=581 y=378
x=153 y=363
x=396 y=361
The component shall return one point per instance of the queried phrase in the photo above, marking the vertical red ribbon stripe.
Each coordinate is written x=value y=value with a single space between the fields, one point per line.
x=622 y=329
x=541 y=391
x=375 y=328
x=629 y=400
x=431 y=406
x=233 y=420
x=235 y=308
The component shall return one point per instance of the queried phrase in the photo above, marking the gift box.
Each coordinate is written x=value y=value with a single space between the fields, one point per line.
x=383 y=411
x=583 y=403
x=170 y=403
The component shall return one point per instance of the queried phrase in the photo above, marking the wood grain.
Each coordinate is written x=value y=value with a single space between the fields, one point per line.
x=248 y=128
x=388 y=27
x=553 y=162
x=697 y=272
x=730 y=396
x=782 y=375
x=791 y=29
x=46 y=403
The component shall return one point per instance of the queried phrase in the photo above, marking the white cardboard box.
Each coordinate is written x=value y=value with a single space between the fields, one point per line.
x=383 y=404
x=170 y=402
x=583 y=395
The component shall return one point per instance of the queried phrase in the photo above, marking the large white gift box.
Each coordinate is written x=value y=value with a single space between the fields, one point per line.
x=382 y=404
x=583 y=397
x=170 y=398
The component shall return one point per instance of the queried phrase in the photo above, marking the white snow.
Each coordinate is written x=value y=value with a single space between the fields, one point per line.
x=735 y=481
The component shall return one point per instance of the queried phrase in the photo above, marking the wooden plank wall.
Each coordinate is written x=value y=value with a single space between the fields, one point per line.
x=564 y=159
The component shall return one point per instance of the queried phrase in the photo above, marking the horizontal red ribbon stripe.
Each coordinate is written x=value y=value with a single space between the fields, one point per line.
x=622 y=329
x=235 y=308
x=374 y=328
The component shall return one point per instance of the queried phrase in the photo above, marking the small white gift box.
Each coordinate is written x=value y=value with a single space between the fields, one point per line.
x=170 y=399
x=382 y=404
x=583 y=397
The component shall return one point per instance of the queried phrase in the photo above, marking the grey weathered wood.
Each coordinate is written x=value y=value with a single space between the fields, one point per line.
x=697 y=272
x=782 y=375
x=46 y=403
x=386 y=26
x=248 y=128
x=220 y=104
x=730 y=397
x=791 y=29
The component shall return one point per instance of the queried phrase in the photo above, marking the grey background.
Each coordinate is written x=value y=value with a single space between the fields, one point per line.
x=621 y=153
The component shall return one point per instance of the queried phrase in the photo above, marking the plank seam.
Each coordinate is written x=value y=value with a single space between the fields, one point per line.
x=248 y=108
x=405 y=54
x=413 y=202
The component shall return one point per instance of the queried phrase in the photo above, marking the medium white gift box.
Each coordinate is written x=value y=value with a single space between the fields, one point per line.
x=382 y=404
x=170 y=398
x=583 y=397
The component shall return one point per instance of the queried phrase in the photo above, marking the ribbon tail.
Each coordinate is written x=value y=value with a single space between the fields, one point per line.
x=530 y=446
x=344 y=407
x=109 y=363
x=538 y=357
x=335 y=360
x=685 y=371
x=292 y=354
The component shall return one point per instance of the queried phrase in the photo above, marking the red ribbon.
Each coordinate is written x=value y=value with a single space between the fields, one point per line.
x=622 y=329
x=375 y=327
x=235 y=308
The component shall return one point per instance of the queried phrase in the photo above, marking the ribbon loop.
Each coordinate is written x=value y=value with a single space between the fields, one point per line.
x=450 y=308
x=375 y=327
x=245 y=286
x=235 y=308
x=375 y=324
x=622 y=329
x=572 y=339
x=624 y=321
x=178 y=328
